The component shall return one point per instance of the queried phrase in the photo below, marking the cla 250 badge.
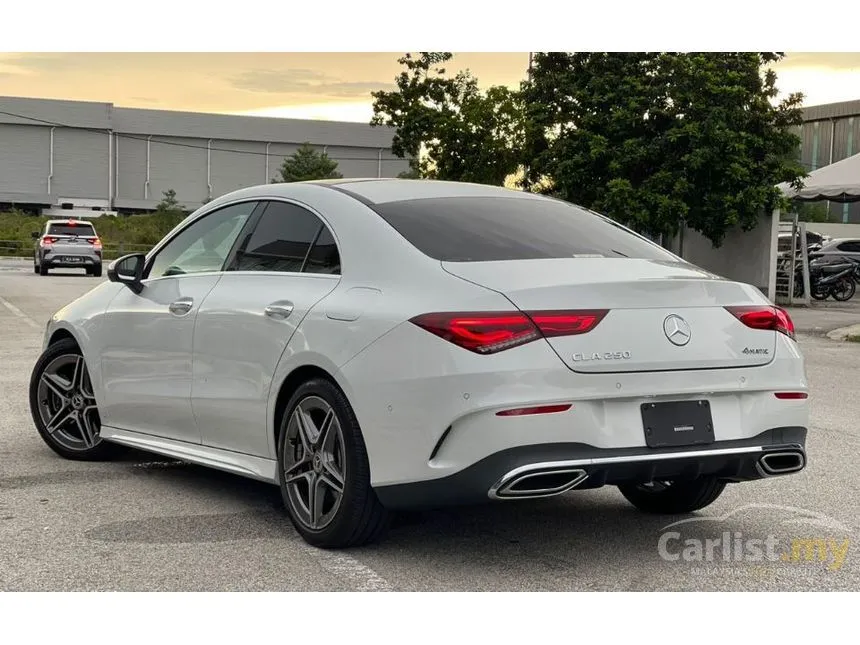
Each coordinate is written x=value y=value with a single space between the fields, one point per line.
x=606 y=356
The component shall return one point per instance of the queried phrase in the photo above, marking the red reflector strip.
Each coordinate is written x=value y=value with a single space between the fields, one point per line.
x=791 y=395
x=541 y=409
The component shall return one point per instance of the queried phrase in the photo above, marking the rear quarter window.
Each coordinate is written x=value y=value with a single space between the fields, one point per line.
x=482 y=229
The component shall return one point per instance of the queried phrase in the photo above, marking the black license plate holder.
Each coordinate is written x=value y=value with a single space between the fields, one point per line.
x=677 y=423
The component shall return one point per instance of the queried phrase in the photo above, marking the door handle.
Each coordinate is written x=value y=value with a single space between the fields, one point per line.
x=280 y=310
x=181 y=307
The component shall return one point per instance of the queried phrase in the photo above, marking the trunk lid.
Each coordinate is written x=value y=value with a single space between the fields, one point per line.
x=662 y=315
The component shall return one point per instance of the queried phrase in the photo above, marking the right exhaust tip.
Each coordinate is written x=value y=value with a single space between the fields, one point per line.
x=781 y=463
x=538 y=482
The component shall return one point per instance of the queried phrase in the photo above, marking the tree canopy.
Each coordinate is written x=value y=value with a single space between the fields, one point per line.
x=448 y=127
x=655 y=140
x=307 y=164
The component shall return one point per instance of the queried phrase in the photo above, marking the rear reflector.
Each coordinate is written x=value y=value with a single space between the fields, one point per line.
x=791 y=395
x=489 y=332
x=541 y=409
x=764 y=317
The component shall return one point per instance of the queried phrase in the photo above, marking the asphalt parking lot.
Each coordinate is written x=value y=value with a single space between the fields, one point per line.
x=144 y=523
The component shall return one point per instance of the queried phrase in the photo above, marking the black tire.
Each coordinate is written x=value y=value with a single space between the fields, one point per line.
x=675 y=498
x=43 y=270
x=844 y=291
x=818 y=294
x=35 y=268
x=100 y=450
x=97 y=271
x=360 y=518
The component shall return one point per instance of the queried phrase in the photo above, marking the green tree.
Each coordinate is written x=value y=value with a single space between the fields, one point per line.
x=655 y=140
x=306 y=164
x=168 y=203
x=447 y=127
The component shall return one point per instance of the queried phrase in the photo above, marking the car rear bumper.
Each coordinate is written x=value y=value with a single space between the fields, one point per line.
x=550 y=469
x=60 y=261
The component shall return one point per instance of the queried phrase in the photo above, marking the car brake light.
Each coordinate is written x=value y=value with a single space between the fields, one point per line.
x=772 y=318
x=566 y=323
x=48 y=240
x=484 y=332
x=96 y=242
x=489 y=332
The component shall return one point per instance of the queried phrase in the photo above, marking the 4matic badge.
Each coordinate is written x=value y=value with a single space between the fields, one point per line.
x=751 y=351
x=596 y=356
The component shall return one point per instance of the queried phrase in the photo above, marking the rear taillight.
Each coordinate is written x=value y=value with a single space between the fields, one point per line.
x=490 y=332
x=96 y=242
x=566 y=323
x=48 y=240
x=768 y=318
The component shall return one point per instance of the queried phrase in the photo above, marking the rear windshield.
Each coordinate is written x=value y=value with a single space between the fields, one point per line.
x=481 y=229
x=66 y=229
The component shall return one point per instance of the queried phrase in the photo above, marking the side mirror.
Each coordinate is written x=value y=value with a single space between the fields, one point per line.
x=128 y=270
x=35 y=235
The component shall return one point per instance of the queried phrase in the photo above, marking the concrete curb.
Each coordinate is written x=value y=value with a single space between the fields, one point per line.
x=842 y=333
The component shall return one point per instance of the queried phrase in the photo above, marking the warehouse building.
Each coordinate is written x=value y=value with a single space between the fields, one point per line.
x=831 y=133
x=84 y=156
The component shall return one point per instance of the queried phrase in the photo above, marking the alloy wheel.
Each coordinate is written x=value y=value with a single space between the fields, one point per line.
x=67 y=404
x=314 y=463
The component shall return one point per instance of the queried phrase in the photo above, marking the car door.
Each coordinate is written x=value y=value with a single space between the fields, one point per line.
x=147 y=337
x=283 y=267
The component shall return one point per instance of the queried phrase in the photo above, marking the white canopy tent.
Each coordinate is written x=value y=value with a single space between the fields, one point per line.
x=837 y=182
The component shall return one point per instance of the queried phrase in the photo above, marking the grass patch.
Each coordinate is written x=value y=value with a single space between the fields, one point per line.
x=131 y=233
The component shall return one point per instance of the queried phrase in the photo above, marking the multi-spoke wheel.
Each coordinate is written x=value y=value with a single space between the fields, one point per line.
x=324 y=470
x=673 y=497
x=63 y=404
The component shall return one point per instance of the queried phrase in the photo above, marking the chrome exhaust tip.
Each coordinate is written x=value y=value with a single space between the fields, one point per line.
x=781 y=463
x=530 y=482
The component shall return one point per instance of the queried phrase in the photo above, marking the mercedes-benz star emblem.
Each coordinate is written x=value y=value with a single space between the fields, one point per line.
x=677 y=330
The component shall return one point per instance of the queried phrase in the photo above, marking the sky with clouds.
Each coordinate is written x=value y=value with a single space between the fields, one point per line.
x=334 y=86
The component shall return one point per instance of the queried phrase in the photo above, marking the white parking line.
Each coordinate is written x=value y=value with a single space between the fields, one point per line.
x=20 y=314
x=344 y=566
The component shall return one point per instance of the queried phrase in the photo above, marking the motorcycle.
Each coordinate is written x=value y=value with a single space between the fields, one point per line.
x=828 y=279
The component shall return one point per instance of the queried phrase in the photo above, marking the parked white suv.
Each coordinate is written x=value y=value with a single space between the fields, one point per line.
x=67 y=243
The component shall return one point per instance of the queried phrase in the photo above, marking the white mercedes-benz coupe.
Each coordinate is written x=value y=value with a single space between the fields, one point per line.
x=369 y=345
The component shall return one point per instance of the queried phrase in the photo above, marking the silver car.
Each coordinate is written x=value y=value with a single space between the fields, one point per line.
x=67 y=243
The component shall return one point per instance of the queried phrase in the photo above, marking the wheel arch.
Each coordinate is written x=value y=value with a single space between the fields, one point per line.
x=61 y=333
x=299 y=372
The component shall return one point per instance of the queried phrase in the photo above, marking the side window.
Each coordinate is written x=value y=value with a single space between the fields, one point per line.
x=285 y=239
x=203 y=246
x=324 y=256
x=850 y=247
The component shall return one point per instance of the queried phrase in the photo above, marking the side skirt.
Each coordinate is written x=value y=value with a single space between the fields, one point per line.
x=258 y=468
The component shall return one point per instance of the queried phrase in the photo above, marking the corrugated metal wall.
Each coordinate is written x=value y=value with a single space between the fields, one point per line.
x=24 y=159
x=80 y=164
x=93 y=167
x=842 y=129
